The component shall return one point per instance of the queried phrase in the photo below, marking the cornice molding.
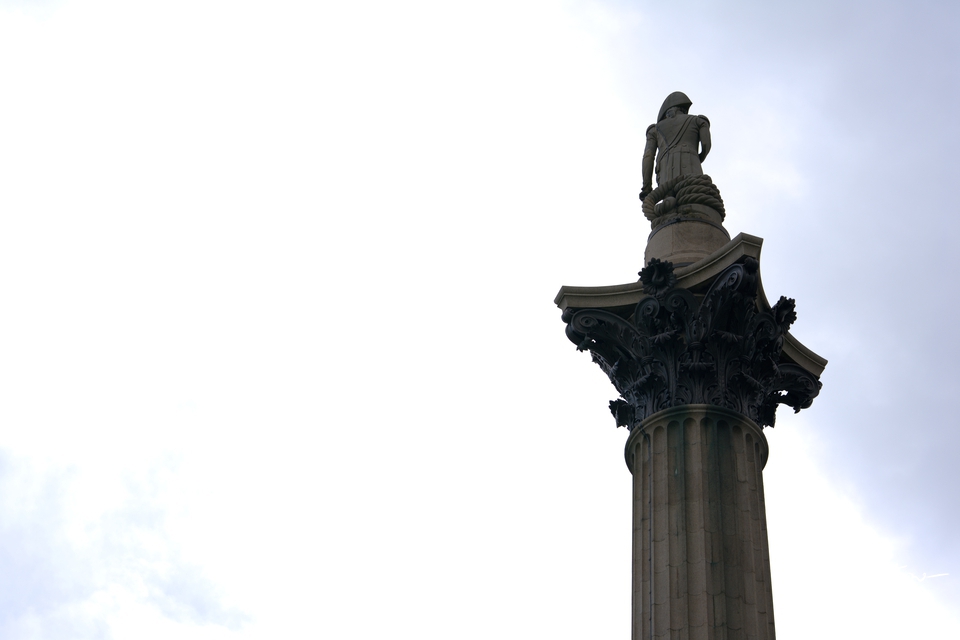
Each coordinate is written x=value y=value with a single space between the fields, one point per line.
x=723 y=347
x=622 y=298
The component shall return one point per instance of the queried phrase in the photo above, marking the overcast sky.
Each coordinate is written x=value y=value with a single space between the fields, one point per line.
x=278 y=349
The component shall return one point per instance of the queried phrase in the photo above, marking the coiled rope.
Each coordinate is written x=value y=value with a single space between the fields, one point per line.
x=686 y=190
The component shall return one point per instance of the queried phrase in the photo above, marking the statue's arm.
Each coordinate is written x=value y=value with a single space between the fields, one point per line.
x=704 y=138
x=649 y=155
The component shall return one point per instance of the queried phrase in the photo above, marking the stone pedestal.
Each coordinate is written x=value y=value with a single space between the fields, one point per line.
x=701 y=565
x=686 y=238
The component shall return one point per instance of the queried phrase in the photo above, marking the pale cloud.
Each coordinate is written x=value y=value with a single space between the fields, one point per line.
x=75 y=569
x=828 y=557
x=280 y=349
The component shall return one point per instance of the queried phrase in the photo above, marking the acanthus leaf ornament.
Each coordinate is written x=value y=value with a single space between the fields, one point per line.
x=679 y=348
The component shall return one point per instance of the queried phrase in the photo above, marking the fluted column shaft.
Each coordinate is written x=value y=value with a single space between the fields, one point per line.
x=701 y=564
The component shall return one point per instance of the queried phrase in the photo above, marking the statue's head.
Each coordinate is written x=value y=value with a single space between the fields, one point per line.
x=678 y=100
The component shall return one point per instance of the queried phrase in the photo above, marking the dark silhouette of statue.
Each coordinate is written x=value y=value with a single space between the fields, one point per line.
x=679 y=141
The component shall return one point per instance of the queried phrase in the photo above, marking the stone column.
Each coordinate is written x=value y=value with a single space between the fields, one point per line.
x=701 y=565
x=701 y=361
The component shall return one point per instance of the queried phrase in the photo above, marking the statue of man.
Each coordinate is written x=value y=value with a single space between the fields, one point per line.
x=679 y=141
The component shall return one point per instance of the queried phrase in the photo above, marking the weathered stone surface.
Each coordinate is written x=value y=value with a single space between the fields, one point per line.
x=710 y=460
x=677 y=144
x=701 y=361
x=677 y=347
x=683 y=240
x=621 y=299
x=685 y=210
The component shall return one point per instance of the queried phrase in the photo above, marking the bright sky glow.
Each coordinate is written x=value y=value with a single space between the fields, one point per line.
x=278 y=355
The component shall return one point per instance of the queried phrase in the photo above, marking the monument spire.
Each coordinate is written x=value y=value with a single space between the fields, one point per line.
x=700 y=361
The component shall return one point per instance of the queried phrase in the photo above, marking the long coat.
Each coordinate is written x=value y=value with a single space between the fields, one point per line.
x=677 y=141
